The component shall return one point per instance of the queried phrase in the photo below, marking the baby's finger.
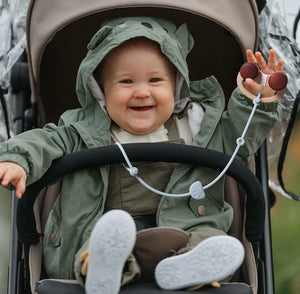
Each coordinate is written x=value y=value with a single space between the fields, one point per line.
x=252 y=86
x=250 y=56
x=260 y=60
x=280 y=65
x=272 y=59
x=20 y=188
x=6 y=178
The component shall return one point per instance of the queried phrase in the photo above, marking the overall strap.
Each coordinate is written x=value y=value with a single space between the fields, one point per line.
x=170 y=125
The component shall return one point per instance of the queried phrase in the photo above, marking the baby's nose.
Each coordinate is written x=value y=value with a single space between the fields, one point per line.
x=141 y=91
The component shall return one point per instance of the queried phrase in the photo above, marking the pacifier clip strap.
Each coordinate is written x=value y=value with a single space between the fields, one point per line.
x=196 y=189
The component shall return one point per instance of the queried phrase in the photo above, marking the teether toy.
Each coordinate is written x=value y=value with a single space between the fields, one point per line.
x=276 y=81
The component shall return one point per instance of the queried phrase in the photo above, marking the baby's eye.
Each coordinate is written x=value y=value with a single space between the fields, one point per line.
x=154 y=80
x=127 y=81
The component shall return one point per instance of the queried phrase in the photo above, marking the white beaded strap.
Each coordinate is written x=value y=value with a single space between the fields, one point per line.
x=196 y=189
x=239 y=142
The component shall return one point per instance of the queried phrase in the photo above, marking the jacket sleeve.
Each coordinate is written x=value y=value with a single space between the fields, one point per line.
x=36 y=149
x=234 y=120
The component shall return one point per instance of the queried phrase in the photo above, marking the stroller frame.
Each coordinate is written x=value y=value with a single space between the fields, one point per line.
x=50 y=34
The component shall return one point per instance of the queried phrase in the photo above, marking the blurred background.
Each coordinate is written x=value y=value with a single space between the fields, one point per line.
x=285 y=214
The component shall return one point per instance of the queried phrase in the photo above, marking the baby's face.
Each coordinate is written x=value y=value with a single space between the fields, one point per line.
x=139 y=86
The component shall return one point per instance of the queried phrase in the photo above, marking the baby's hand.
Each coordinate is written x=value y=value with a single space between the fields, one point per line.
x=267 y=68
x=11 y=172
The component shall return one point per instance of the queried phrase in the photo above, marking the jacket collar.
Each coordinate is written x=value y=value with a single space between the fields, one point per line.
x=209 y=94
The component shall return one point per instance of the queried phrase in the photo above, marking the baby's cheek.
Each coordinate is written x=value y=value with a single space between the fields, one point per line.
x=169 y=105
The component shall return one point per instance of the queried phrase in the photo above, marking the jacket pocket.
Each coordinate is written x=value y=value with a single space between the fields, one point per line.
x=205 y=207
x=52 y=234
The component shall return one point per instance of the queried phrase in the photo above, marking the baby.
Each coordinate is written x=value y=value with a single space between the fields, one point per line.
x=133 y=86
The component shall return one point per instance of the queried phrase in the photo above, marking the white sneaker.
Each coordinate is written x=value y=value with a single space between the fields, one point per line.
x=212 y=260
x=111 y=242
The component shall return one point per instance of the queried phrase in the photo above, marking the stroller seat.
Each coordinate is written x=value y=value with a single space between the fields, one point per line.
x=30 y=235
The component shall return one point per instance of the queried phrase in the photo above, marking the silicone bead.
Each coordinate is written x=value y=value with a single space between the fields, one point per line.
x=278 y=81
x=197 y=191
x=249 y=70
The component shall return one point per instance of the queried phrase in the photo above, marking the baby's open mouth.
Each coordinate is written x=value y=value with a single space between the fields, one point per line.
x=141 y=108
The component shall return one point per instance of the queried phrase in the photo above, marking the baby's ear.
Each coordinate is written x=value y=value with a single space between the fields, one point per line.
x=185 y=38
x=99 y=37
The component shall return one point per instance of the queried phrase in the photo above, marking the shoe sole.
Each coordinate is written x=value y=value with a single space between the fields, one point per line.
x=212 y=260
x=111 y=242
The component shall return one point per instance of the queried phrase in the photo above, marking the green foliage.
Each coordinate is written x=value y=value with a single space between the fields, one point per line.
x=286 y=249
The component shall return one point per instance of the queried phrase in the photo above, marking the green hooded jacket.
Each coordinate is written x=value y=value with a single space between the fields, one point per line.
x=83 y=194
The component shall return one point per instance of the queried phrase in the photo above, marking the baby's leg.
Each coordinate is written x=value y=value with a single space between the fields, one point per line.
x=210 y=256
x=154 y=244
x=132 y=270
x=109 y=247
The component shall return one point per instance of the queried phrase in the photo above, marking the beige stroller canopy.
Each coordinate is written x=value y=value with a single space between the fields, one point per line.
x=58 y=32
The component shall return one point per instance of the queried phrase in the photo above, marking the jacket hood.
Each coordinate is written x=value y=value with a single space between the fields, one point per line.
x=175 y=43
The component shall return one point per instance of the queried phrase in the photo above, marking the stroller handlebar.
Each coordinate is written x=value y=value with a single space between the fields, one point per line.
x=146 y=152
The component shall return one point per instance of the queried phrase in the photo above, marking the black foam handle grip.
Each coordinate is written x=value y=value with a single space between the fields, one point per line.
x=147 y=152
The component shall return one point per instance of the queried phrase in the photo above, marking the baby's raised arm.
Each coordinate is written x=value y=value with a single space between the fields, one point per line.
x=15 y=174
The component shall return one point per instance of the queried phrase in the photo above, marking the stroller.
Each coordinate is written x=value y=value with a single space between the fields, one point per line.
x=54 y=51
